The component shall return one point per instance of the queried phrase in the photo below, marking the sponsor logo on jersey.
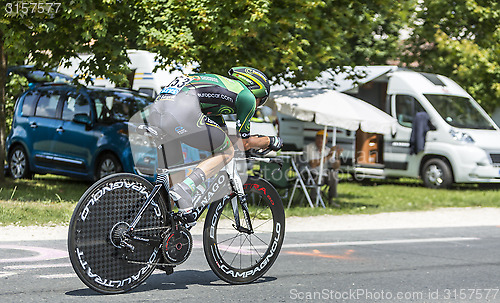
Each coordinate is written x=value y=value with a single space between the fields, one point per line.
x=180 y=130
x=204 y=77
x=170 y=90
x=215 y=96
x=164 y=97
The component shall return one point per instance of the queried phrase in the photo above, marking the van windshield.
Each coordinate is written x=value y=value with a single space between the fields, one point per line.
x=459 y=112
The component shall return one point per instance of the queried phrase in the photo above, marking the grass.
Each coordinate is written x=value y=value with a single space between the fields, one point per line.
x=402 y=195
x=46 y=199
x=51 y=199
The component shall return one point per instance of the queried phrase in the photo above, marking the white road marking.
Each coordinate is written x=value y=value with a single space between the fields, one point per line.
x=380 y=242
x=11 y=267
x=58 y=276
x=4 y=274
x=42 y=253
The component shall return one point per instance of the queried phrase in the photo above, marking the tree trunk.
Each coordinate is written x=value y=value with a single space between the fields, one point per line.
x=3 y=80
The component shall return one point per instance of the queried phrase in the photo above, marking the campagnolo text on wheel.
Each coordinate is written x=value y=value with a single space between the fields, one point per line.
x=124 y=226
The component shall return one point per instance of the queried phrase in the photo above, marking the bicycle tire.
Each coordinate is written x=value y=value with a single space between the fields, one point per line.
x=98 y=263
x=245 y=262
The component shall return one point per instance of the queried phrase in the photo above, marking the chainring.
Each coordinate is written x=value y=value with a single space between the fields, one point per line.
x=177 y=245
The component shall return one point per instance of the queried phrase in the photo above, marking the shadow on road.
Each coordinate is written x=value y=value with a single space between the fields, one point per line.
x=178 y=280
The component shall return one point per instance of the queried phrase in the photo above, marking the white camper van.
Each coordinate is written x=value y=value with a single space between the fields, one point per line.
x=143 y=77
x=462 y=145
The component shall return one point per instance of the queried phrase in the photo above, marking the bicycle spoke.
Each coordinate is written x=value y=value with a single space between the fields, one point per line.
x=260 y=239
x=246 y=258
x=229 y=245
x=254 y=248
x=220 y=242
x=231 y=219
x=235 y=255
x=262 y=224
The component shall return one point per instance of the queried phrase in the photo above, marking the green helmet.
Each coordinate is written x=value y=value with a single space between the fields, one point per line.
x=254 y=79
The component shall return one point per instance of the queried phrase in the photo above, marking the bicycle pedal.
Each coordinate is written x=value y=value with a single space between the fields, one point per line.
x=190 y=225
x=167 y=269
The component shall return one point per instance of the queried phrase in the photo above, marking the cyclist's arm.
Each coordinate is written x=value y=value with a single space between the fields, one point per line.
x=245 y=108
x=256 y=142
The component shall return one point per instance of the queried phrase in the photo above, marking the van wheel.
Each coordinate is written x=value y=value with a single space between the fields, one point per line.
x=19 y=166
x=108 y=164
x=437 y=174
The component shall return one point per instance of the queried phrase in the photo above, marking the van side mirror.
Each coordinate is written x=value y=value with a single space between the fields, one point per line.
x=83 y=119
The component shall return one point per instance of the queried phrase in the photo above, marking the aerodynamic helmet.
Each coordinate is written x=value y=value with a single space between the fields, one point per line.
x=254 y=79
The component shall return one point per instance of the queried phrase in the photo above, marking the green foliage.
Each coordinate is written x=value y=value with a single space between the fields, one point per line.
x=79 y=26
x=460 y=39
x=284 y=38
x=15 y=86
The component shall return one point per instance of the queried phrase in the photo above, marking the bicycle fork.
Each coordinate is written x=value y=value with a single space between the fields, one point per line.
x=237 y=187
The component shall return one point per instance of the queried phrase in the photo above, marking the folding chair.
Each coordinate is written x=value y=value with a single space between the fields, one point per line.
x=304 y=180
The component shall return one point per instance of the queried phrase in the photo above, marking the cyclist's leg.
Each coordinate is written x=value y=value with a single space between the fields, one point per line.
x=213 y=139
x=182 y=119
x=163 y=116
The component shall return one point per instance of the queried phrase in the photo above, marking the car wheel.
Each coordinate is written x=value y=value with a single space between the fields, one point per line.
x=108 y=164
x=437 y=174
x=19 y=166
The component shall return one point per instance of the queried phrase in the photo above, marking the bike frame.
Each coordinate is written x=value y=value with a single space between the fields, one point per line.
x=227 y=175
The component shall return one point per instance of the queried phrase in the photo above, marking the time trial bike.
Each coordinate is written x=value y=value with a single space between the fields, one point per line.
x=124 y=227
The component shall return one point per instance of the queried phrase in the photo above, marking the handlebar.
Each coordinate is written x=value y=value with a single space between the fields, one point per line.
x=258 y=153
x=148 y=131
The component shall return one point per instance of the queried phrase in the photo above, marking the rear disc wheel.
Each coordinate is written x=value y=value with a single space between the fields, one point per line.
x=100 y=222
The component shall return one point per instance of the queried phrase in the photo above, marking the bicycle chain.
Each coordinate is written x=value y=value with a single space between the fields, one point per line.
x=147 y=263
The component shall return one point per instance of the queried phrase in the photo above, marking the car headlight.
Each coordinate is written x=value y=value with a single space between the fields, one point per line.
x=461 y=136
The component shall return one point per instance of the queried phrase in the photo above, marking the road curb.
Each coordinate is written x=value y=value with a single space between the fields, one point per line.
x=443 y=217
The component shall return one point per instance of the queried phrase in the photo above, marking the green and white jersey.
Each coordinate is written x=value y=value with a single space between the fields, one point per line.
x=219 y=96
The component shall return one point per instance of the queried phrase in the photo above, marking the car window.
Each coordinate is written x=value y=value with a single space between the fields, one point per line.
x=75 y=104
x=406 y=108
x=47 y=104
x=117 y=106
x=148 y=91
x=29 y=103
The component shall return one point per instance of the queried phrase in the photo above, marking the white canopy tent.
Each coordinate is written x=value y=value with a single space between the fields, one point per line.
x=331 y=108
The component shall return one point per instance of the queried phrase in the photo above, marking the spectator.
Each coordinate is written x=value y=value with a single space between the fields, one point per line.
x=331 y=165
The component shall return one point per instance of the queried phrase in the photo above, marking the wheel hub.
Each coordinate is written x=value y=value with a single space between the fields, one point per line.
x=117 y=234
x=435 y=175
x=17 y=164
x=107 y=168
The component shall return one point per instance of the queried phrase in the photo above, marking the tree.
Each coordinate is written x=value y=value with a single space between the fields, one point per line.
x=44 y=38
x=287 y=39
x=461 y=40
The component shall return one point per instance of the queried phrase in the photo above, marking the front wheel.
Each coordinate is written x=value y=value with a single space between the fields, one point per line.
x=101 y=221
x=436 y=173
x=239 y=257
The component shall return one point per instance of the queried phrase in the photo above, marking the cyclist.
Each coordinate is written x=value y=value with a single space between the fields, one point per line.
x=190 y=110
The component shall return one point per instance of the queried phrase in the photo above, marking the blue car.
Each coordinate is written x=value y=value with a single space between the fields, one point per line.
x=73 y=131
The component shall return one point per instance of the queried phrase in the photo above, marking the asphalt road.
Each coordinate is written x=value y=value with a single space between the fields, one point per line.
x=460 y=264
